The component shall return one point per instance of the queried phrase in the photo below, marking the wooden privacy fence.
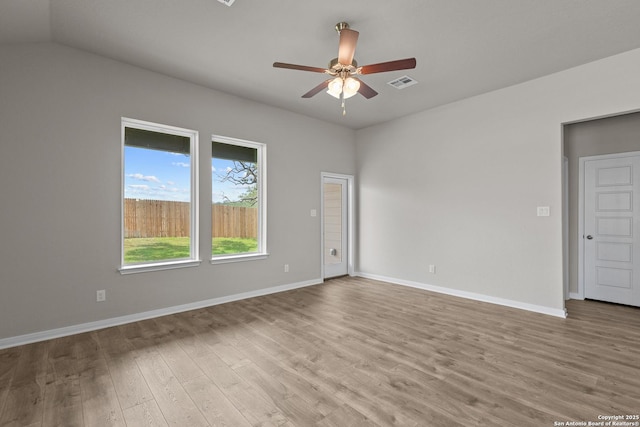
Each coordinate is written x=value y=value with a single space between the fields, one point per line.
x=163 y=218
x=234 y=221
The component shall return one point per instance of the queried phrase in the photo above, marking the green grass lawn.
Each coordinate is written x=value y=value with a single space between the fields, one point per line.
x=167 y=248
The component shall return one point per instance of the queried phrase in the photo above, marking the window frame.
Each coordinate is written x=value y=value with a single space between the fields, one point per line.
x=261 y=151
x=194 y=242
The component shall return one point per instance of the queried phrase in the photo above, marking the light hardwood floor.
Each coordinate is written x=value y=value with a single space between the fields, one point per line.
x=350 y=352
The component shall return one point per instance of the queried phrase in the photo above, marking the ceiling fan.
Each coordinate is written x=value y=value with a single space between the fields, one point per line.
x=343 y=84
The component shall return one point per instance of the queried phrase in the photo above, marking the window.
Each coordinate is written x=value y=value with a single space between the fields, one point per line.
x=238 y=210
x=159 y=206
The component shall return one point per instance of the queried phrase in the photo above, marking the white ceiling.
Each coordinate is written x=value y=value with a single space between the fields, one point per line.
x=463 y=47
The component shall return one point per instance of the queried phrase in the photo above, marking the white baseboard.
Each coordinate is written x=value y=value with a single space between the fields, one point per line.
x=574 y=295
x=469 y=295
x=115 y=321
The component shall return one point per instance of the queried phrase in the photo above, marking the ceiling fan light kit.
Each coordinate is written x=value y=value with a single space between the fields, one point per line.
x=343 y=84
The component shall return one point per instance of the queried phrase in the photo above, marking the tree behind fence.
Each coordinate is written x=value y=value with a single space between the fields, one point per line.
x=163 y=218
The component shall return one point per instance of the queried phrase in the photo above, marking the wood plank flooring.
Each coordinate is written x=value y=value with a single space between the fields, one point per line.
x=351 y=352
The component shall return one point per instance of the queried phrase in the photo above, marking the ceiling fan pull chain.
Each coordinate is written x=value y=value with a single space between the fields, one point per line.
x=344 y=110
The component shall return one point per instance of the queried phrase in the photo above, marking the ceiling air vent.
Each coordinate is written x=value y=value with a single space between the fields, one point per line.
x=402 y=82
x=227 y=2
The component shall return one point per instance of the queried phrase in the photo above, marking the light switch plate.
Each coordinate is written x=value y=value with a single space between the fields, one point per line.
x=314 y=212
x=543 y=210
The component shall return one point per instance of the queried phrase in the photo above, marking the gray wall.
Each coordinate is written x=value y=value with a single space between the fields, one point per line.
x=60 y=112
x=617 y=134
x=455 y=186
x=458 y=186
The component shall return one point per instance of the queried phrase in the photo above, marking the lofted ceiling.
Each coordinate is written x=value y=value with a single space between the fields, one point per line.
x=463 y=47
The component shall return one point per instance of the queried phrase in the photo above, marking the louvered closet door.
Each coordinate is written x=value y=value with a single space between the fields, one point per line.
x=334 y=217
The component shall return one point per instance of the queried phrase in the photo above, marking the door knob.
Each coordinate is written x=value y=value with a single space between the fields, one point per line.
x=589 y=237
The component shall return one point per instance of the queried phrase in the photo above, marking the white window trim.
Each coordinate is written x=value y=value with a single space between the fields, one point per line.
x=157 y=266
x=225 y=259
x=194 y=259
x=262 y=253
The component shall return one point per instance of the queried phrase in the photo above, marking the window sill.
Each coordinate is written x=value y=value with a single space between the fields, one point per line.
x=143 y=268
x=238 y=258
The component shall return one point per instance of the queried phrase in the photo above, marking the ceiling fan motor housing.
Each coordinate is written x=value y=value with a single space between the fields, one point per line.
x=336 y=66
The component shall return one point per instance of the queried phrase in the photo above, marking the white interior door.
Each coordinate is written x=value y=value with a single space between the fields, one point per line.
x=611 y=232
x=335 y=226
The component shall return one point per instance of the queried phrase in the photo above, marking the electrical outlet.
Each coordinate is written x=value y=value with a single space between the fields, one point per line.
x=286 y=268
x=432 y=269
x=101 y=295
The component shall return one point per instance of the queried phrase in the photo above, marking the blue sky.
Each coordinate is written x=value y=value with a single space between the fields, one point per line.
x=160 y=175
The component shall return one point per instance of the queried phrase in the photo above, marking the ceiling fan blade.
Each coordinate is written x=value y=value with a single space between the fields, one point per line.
x=299 y=67
x=322 y=86
x=366 y=90
x=347 y=46
x=400 y=64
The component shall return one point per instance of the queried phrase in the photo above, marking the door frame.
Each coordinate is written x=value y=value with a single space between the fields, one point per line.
x=581 y=190
x=350 y=220
x=565 y=227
